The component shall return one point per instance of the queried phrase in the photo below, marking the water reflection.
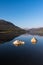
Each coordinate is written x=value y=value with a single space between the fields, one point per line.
x=7 y=39
x=27 y=54
x=17 y=44
x=33 y=42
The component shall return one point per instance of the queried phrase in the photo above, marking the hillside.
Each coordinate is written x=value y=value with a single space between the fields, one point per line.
x=8 y=26
x=9 y=30
x=36 y=31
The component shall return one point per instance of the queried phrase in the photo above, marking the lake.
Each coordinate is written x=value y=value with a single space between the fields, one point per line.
x=27 y=54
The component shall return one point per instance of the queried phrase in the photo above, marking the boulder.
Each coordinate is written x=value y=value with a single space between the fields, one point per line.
x=18 y=42
x=33 y=40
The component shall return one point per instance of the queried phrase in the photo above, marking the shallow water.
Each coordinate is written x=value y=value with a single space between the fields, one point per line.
x=27 y=54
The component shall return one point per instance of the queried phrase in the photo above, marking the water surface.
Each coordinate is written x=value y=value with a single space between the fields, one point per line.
x=27 y=54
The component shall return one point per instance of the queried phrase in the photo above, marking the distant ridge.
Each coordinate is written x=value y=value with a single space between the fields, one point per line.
x=36 y=31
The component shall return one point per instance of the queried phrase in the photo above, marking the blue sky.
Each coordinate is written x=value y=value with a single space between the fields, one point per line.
x=23 y=13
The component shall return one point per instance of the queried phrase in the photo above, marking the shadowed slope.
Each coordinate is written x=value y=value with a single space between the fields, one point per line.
x=9 y=30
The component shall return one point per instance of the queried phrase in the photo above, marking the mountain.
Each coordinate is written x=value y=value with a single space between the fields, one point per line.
x=10 y=27
x=36 y=31
x=9 y=30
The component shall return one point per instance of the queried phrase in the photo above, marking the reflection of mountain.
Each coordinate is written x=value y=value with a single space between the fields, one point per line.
x=8 y=30
x=7 y=40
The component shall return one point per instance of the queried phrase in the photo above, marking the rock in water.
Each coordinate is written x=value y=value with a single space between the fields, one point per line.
x=18 y=42
x=33 y=40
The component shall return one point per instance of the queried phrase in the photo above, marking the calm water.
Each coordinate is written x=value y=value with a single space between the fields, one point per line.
x=27 y=54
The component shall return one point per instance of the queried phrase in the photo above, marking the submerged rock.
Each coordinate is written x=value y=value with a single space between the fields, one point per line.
x=18 y=42
x=33 y=40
